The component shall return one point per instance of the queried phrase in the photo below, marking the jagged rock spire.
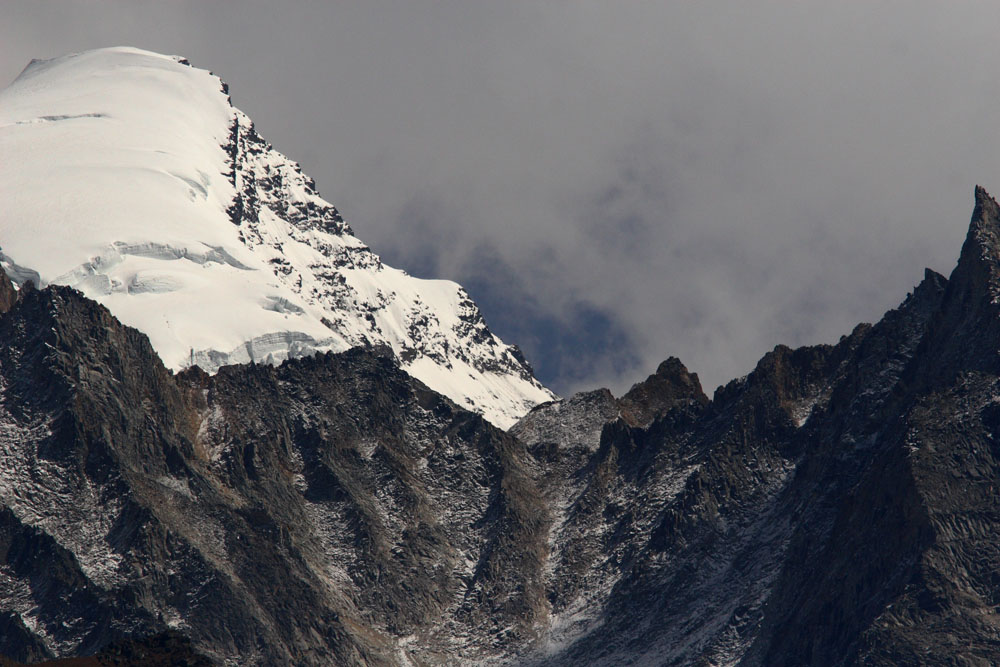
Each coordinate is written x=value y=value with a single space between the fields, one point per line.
x=672 y=384
x=980 y=258
x=965 y=333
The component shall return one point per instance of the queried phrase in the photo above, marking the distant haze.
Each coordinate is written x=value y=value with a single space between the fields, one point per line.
x=614 y=183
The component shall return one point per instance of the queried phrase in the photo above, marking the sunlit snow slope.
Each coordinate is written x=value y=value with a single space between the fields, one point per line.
x=130 y=176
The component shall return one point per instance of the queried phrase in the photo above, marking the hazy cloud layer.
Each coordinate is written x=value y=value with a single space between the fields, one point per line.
x=614 y=182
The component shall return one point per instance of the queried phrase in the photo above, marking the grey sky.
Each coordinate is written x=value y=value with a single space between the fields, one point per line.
x=614 y=182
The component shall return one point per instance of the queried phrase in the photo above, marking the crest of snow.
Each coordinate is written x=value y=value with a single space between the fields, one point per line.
x=129 y=176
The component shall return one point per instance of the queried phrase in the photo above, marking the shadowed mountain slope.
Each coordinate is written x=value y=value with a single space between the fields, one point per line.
x=839 y=505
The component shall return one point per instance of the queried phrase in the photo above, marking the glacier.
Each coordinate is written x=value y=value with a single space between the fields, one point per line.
x=130 y=176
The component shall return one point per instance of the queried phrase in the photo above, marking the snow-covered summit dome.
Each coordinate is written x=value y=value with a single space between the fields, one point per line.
x=129 y=175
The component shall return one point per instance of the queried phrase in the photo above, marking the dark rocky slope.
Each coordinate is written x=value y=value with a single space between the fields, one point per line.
x=839 y=505
x=311 y=514
x=836 y=506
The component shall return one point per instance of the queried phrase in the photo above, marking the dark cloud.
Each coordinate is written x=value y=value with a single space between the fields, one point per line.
x=614 y=182
x=569 y=343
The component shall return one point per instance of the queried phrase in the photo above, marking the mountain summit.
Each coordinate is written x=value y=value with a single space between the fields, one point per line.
x=130 y=176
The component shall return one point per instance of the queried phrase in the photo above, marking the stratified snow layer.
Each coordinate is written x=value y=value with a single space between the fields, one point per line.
x=130 y=176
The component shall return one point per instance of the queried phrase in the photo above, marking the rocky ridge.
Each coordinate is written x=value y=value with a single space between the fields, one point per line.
x=156 y=502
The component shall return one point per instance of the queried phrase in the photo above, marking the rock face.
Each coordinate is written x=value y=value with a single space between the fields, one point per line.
x=838 y=505
x=329 y=510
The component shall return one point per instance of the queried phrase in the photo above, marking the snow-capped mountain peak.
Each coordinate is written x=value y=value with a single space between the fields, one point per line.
x=130 y=176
